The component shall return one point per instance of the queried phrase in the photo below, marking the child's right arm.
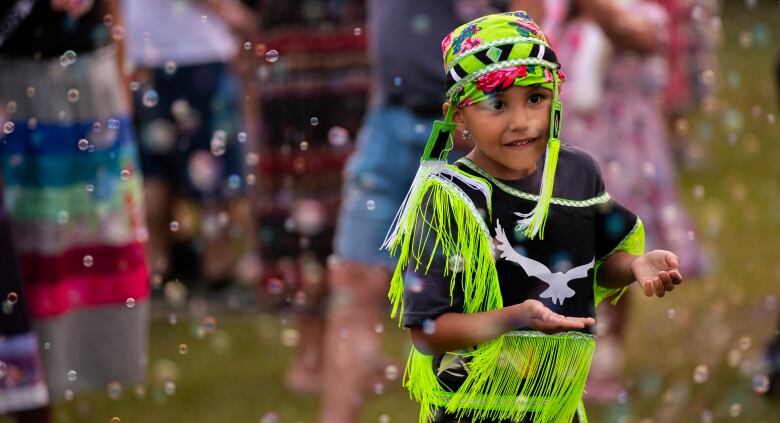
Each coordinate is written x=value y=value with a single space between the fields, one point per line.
x=454 y=331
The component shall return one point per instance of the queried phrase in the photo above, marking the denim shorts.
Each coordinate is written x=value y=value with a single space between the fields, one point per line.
x=376 y=180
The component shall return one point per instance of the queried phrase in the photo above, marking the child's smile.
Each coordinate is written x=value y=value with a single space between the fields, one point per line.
x=509 y=131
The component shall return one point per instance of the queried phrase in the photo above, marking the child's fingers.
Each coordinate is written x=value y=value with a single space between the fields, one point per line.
x=676 y=277
x=654 y=286
x=666 y=279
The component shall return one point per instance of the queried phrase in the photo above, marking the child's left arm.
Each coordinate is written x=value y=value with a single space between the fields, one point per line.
x=656 y=271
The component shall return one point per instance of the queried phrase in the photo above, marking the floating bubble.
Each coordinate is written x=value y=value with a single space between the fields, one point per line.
x=134 y=85
x=183 y=349
x=90 y=187
x=421 y=23
x=247 y=45
x=357 y=31
x=289 y=337
x=130 y=302
x=338 y=136
x=218 y=143
x=11 y=107
x=210 y=324
x=304 y=145
x=204 y=19
x=150 y=98
x=379 y=328
x=700 y=374
x=68 y=395
x=172 y=318
x=745 y=39
x=32 y=123
x=370 y=204
x=708 y=76
x=760 y=383
x=12 y=298
x=671 y=313
x=72 y=375
x=384 y=418
x=397 y=81
x=272 y=56
x=314 y=121
x=118 y=33
x=698 y=191
x=706 y=416
x=175 y=294
x=88 y=261
x=108 y=19
x=113 y=124
x=73 y=95
x=169 y=388
x=8 y=127
x=174 y=226
x=270 y=417
x=735 y=410
x=115 y=420
x=63 y=217
x=414 y=284
x=203 y=170
x=429 y=327
x=170 y=67
x=114 y=390
x=391 y=372
x=455 y=263
x=68 y=58
x=241 y=137
x=275 y=286
x=124 y=174
x=83 y=144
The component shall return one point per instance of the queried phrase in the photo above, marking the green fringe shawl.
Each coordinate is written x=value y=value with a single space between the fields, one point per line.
x=549 y=372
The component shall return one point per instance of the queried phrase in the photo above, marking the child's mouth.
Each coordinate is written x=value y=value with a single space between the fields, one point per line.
x=520 y=143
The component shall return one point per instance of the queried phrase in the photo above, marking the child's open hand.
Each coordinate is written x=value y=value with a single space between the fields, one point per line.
x=533 y=314
x=657 y=272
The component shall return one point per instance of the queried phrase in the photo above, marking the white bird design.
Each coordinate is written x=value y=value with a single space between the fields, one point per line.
x=559 y=281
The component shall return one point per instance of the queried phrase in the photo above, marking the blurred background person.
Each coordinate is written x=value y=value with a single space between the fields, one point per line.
x=23 y=393
x=614 y=101
x=313 y=85
x=404 y=43
x=192 y=141
x=73 y=192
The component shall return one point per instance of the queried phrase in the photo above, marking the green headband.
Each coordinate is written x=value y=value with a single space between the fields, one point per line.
x=485 y=57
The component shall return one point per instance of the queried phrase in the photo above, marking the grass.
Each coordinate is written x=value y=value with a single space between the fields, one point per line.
x=719 y=324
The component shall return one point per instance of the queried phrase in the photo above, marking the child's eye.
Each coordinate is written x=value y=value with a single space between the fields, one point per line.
x=535 y=98
x=493 y=104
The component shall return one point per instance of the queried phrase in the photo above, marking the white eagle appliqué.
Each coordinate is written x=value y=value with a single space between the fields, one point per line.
x=559 y=281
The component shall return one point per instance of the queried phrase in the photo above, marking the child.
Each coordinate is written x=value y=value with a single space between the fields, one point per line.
x=487 y=271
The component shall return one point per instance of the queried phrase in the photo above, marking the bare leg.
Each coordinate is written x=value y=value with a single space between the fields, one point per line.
x=352 y=346
x=158 y=203
x=227 y=235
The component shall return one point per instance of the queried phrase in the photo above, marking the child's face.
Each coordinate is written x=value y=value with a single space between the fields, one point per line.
x=509 y=131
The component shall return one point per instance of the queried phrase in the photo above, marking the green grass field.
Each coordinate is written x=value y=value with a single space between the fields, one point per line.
x=721 y=323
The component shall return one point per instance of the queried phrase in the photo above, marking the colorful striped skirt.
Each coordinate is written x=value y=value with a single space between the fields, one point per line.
x=73 y=194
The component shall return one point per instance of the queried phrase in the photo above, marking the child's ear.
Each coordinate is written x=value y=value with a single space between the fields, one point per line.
x=457 y=117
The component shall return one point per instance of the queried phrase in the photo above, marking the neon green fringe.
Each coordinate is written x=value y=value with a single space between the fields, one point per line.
x=548 y=372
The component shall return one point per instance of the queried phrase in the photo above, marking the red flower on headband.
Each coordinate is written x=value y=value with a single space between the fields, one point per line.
x=501 y=79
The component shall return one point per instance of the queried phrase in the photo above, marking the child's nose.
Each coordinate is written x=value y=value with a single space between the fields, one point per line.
x=519 y=120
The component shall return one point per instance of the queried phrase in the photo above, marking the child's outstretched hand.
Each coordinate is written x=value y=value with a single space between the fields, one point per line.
x=657 y=272
x=534 y=314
